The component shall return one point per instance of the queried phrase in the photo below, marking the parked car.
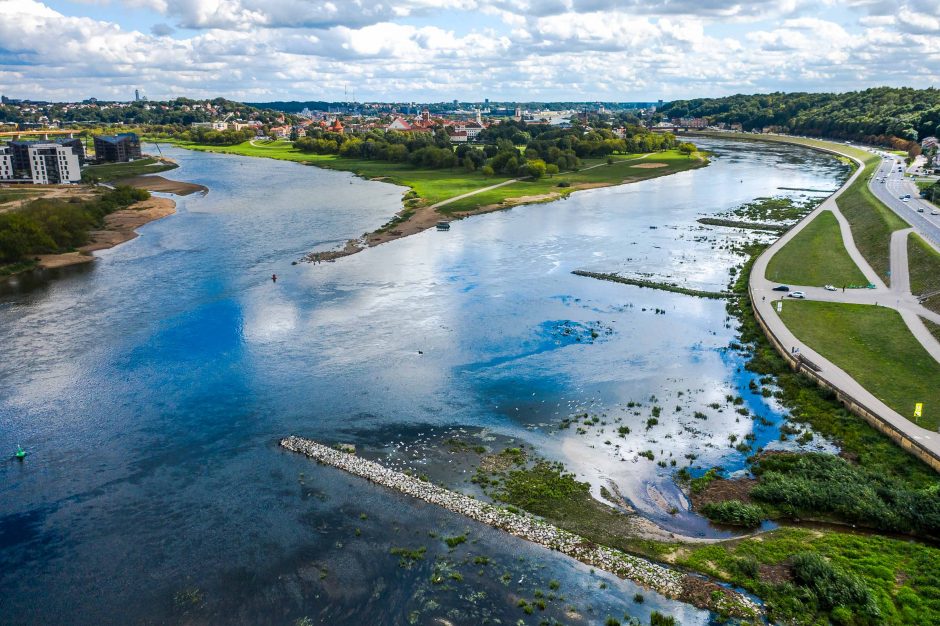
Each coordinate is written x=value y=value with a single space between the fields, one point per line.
x=782 y=288
x=797 y=294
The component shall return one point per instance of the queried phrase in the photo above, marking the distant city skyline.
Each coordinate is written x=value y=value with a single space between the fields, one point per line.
x=423 y=51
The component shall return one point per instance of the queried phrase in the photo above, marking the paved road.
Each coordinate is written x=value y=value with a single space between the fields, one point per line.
x=915 y=212
x=897 y=297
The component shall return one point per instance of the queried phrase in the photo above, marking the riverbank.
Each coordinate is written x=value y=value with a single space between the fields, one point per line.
x=668 y=582
x=119 y=227
x=436 y=195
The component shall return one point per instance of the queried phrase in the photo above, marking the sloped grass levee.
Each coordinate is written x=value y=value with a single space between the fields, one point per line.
x=50 y=225
x=117 y=171
x=924 y=262
x=874 y=346
x=816 y=256
x=871 y=221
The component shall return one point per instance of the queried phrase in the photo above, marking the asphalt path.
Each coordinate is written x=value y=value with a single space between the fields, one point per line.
x=897 y=296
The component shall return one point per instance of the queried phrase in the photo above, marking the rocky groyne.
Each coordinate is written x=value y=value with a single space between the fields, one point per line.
x=670 y=583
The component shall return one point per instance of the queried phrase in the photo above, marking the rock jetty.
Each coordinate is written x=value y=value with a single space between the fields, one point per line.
x=670 y=583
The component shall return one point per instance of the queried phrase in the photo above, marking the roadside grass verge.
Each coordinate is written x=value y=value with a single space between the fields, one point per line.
x=932 y=327
x=816 y=256
x=116 y=171
x=924 y=263
x=874 y=346
x=871 y=221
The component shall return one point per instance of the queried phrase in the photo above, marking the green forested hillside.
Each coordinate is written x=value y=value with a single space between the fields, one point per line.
x=874 y=115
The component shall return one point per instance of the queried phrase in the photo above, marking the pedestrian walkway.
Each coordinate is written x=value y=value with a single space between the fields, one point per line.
x=898 y=296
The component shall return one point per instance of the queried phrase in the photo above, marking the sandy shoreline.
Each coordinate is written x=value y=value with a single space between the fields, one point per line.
x=119 y=227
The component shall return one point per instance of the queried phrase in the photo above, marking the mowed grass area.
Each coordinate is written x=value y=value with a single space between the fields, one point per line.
x=816 y=256
x=901 y=575
x=871 y=221
x=874 y=346
x=116 y=171
x=594 y=172
x=924 y=263
x=433 y=185
x=934 y=328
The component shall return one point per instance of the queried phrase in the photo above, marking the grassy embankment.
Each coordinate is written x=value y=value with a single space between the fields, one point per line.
x=111 y=172
x=874 y=346
x=934 y=328
x=924 y=262
x=813 y=258
x=804 y=576
x=435 y=185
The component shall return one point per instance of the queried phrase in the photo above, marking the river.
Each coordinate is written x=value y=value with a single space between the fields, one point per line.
x=151 y=388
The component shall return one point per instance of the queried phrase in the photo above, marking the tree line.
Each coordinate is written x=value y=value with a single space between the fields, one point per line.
x=883 y=115
x=510 y=148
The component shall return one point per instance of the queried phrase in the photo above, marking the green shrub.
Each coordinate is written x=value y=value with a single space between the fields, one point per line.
x=735 y=513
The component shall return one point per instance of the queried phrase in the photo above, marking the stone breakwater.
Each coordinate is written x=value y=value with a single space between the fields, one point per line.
x=670 y=583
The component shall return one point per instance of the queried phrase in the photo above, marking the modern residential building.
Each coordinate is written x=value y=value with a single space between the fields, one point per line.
x=117 y=148
x=39 y=162
x=44 y=162
x=6 y=163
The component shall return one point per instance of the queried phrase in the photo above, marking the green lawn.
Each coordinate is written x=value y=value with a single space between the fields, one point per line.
x=901 y=575
x=816 y=256
x=932 y=327
x=874 y=346
x=924 y=263
x=116 y=171
x=433 y=185
x=871 y=221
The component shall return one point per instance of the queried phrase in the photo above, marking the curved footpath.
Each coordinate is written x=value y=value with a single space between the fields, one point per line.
x=923 y=443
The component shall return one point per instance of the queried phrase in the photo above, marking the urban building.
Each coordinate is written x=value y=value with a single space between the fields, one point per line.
x=117 y=148
x=39 y=162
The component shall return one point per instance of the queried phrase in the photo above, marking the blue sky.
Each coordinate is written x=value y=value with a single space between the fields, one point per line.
x=407 y=50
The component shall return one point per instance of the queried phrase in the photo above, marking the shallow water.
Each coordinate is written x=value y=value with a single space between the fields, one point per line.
x=151 y=389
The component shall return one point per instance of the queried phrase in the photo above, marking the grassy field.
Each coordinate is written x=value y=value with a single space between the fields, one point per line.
x=18 y=193
x=874 y=346
x=816 y=256
x=117 y=171
x=433 y=186
x=924 y=263
x=872 y=222
x=900 y=576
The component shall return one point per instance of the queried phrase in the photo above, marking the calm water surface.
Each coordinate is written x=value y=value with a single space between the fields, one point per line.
x=151 y=390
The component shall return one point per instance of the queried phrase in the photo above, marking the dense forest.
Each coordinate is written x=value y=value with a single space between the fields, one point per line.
x=881 y=115
x=546 y=149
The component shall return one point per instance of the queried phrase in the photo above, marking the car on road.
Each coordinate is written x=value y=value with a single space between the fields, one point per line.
x=797 y=294
x=935 y=212
x=903 y=199
x=920 y=209
x=830 y=287
x=782 y=288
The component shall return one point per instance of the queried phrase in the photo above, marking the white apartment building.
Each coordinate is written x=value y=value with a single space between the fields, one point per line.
x=53 y=164
x=6 y=163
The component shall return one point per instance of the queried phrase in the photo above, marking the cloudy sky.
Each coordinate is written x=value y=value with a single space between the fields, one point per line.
x=424 y=50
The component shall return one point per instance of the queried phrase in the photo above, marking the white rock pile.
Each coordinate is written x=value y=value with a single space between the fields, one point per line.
x=666 y=581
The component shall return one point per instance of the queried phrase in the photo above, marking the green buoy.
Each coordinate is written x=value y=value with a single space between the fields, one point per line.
x=20 y=453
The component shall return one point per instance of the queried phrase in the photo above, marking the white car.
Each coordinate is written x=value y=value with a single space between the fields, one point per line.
x=905 y=199
x=935 y=212
x=796 y=294
x=830 y=288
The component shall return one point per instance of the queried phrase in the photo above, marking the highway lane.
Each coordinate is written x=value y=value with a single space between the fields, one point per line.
x=895 y=186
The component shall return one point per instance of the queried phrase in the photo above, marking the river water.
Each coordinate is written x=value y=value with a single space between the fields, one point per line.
x=151 y=388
